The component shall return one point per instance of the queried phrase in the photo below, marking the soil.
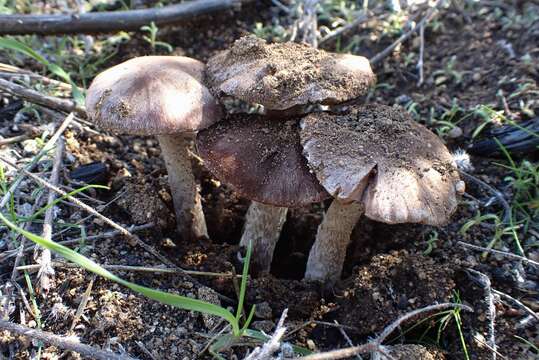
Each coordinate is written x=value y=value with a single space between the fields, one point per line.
x=260 y=73
x=389 y=270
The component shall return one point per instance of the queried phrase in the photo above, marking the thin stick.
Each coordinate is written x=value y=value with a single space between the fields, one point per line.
x=384 y=53
x=33 y=96
x=346 y=337
x=421 y=53
x=273 y=344
x=495 y=192
x=148 y=269
x=20 y=250
x=484 y=282
x=62 y=342
x=82 y=305
x=516 y=302
x=47 y=271
x=92 y=211
x=48 y=146
x=10 y=71
x=113 y=21
x=144 y=350
x=14 y=139
x=376 y=344
x=106 y=235
x=503 y=253
x=361 y=18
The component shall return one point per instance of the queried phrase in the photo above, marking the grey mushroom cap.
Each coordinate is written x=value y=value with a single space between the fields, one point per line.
x=152 y=95
x=282 y=75
x=378 y=156
x=261 y=159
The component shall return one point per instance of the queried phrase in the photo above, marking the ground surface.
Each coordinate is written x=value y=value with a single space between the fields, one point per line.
x=480 y=65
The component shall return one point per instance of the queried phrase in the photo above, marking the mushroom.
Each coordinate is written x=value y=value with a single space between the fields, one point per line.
x=262 y=161
x=375 y=160
x=283 y=77
x=163 y=96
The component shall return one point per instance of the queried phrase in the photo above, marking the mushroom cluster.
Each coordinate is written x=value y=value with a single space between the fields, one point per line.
x=301 y=149
x=372 y=159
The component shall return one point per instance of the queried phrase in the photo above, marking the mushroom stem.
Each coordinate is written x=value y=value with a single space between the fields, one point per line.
x=263 y=225
x=326 y=257
x=187 y=206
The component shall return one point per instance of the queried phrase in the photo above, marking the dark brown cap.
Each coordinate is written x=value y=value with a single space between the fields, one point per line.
x=152 y=95
x=380 y=156
x=280 y=76
x=261 y=159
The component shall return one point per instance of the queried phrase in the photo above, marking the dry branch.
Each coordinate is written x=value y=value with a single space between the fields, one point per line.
x=46 y=271
x=431 y=13
x=129 y=268
x=62 y=342
x=103 y=22
x=40 y=99
x=503 y=253
x=375 y=345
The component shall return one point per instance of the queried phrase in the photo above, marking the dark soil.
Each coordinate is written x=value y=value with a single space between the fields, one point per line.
x=389 y=270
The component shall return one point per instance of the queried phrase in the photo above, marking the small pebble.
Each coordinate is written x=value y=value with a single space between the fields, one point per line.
x=455 y=133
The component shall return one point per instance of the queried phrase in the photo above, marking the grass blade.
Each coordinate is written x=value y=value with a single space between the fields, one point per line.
x=161 y=296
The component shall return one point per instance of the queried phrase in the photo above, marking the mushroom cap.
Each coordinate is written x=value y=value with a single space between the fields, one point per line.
x=152 y=95
x=280 y=76
x=377 y=155
x=261 y=159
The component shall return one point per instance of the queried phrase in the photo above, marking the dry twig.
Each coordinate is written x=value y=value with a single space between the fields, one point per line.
x=484 y=282
x=375 y=345
x=46 y=271
x=10 y=72
x=503 y=253
x=431 y=13
x=92 y=211
x=48 y=146
x=516 y=302
x=421 y=54
x=148 y=269
x=273 y=344
x=36 y=97
x=102 y=22
x=62 y=342
x=496 y=193
x=361 y=18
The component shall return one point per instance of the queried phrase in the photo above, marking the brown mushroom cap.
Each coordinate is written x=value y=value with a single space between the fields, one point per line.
x=280 y=76
x=261 y=159
x=152 y=95
x=379 y=156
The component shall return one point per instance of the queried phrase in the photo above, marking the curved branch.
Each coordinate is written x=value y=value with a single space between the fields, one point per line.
x=102 y=22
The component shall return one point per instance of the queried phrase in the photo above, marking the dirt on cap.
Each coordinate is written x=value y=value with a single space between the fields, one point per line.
x=282 y=75
x=378 y=155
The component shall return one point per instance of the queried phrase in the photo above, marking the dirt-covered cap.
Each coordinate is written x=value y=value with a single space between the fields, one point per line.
x=282 y=75
x=378 y=155
x=152 y=95
x=261 y=159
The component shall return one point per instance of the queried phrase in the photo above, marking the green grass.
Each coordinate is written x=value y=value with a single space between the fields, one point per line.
x=239 y=325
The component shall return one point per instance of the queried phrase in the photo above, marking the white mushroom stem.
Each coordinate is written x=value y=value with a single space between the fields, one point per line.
x=263 y=225
x=326 y=257
x=188 y=208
